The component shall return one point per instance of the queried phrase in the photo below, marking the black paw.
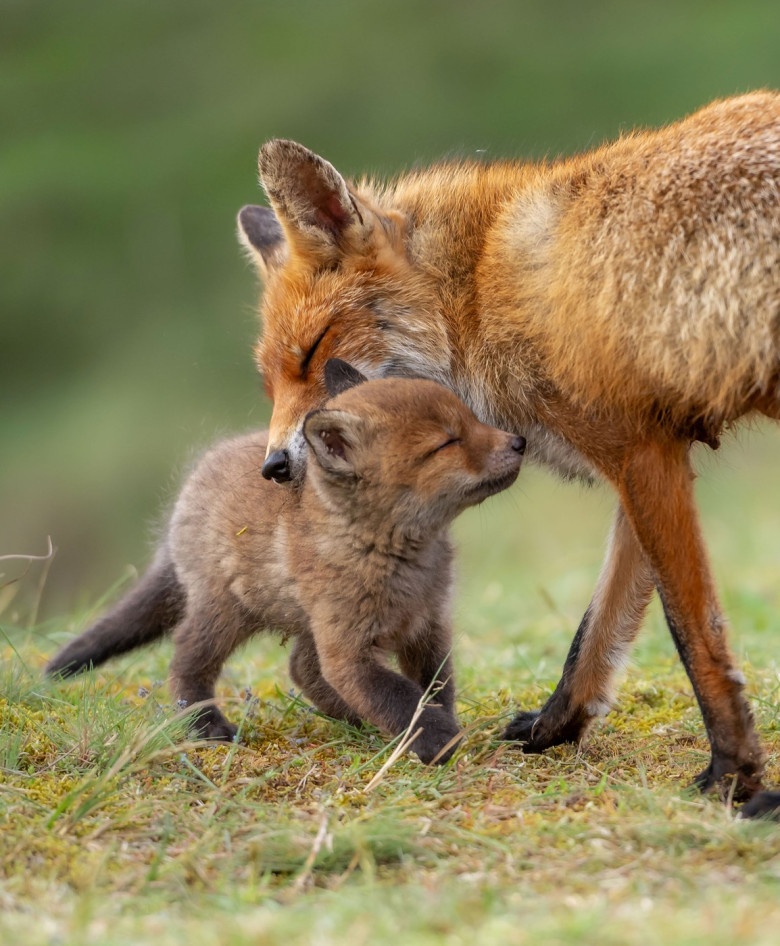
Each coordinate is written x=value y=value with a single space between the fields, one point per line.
x=720 y=776
x=211 y=725
x=537 y=730
x=438 y=740
x=434 y=751
x=521 y=729
x=706 y=781
x=762 y=805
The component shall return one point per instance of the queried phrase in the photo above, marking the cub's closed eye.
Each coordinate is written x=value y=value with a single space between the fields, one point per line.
x=449 y=443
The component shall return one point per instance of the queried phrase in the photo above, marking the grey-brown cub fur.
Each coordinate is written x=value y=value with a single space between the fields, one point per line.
x=355 y=566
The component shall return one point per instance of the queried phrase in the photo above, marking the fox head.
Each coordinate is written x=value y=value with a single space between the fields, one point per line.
x=338 y=282
x=404 y=454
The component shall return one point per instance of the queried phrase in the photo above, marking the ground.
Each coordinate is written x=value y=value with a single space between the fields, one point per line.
x=115 y=829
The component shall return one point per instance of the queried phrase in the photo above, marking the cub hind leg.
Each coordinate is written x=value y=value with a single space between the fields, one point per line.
x=202 y=643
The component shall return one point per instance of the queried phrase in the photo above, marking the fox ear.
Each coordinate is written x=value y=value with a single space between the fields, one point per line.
x=261 y=234
x=341 y=376
x=334 y=437
x=309 y=196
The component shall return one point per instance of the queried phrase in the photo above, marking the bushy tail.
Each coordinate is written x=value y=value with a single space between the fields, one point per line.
x=146 y=613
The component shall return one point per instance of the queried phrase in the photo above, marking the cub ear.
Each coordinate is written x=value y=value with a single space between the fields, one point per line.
x=309 y=196
x=341 y=376
x=261 y=234
x=334 y=437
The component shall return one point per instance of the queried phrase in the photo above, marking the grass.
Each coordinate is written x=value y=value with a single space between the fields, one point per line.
x=115 y=829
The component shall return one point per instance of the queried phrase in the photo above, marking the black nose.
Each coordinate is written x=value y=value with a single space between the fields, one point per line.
x=277 y=467
x=518 y=443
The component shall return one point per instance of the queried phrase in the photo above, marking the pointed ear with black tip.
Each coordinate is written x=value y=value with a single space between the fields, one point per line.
x=340 y=376
x=261 y=235
x=334 y=437
x=310 y=197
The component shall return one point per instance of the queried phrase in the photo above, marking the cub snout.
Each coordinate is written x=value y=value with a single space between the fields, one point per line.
x=502 y=465
x=507 y=455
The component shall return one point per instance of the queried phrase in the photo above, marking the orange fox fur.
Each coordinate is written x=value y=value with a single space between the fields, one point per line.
x=355 y=566
x=613 y=307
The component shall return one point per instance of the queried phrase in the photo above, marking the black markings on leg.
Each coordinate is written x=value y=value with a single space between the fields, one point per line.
x=306 y=673
x=202 y=643
x=559 y=720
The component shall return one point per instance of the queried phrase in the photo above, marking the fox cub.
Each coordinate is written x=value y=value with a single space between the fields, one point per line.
x=355 y=565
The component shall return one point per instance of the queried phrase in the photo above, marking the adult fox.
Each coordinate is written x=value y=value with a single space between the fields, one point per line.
x=613 y=308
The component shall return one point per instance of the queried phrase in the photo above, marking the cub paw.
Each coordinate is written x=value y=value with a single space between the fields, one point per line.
x=212 y=726
x=220 y=732
x=437 y=742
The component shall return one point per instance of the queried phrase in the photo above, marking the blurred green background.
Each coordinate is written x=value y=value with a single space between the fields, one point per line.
x=128 y=137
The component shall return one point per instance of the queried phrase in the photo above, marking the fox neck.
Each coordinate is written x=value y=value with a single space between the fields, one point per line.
x=462 y=220
x=455 y=212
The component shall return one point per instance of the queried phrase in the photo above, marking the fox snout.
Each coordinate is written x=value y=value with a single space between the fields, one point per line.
x=277 y=467
x=285 y=459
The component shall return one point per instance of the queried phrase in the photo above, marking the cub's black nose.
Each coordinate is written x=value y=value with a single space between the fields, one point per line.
x=518 y=443
x=277 y=467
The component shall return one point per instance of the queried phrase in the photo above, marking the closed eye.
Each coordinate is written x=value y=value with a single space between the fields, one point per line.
x=448 y=443
x=310 y=353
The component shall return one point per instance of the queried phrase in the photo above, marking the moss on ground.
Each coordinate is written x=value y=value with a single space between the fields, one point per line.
x=109 y=817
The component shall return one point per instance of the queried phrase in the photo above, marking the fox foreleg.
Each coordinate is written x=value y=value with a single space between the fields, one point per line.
x=599 y=649
x=426 y=660
x=656 y=488
x=202 y=643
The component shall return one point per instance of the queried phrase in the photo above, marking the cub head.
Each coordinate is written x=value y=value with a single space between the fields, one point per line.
x=338 y=282
x=405 y=455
